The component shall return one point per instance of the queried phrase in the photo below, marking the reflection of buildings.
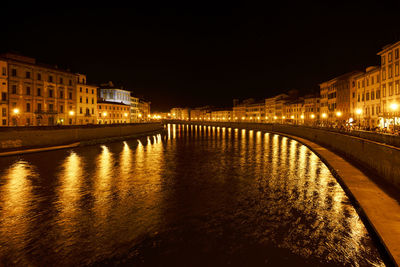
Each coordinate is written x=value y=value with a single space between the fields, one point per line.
x=86 y=101
x=38 y=94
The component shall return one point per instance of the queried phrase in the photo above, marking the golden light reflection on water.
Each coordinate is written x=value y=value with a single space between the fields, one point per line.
x=16 y=203
x=233 y=188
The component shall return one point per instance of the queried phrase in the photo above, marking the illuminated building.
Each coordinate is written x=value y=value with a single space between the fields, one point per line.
x=111 y=93
x=3 y=93
x=221 y=115
x=311 y=109
x=366 y=98
x=294 y=110
x=144 y=109
x=199 y=113
x=274 y=107
x=38 y=94
x=390 y=83
x=180 y=113
x=135 y=109
x=248 y=110
x=86 y=102
x=335 y=97
x=112 y=112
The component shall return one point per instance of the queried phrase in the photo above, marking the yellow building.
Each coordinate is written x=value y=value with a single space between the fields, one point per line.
x=180 y=113
x=311 y=110
x=255 y=112
x=294 y=111
x=38 y=94
x=86 y=102
x=135 y=109
x=221 y=115
x=199 y=114
x=335 y=98
x=144 y=109
x=3 y=93
x=112 y=112
x=366 y=98
x=274 y=108
x=390 y=83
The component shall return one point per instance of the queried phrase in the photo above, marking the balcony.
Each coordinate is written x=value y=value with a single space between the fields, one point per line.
x=46 y=112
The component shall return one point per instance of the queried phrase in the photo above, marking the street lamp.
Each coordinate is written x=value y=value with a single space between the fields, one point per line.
x=15 y=113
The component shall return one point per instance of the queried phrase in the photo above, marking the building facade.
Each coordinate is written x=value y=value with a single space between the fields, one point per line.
x=112 y=112
x=144 y=109
x=135 y=109
x=38 y=94
x=110 y=93
x=3 y=92
x=390 y=83
x=86 y=101
x=221 y=115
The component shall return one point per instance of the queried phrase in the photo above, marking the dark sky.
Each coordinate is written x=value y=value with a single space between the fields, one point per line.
x=193 y=55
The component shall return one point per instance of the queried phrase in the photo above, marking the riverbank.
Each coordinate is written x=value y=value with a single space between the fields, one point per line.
x=379 y=210
x=20 y=141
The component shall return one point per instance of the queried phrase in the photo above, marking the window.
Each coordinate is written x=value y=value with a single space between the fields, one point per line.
x=80 y=89
x=51 y=107
x=390 y=57
x=61 y=109
x=390 y=70
x=396 y=69
x=372 y=95
x=70 y=82
x=384 y=90
x=80 y=110
x=39 y=92
x=4 y=122
x=28 y=90
x=87 y=90
x=383 y=74
x=80 y=100
x=92 y=100
x=50 y=79
x=61 y=80
x=378 y=94
x=92 y=91
x=69 y=95
x=3 y=96
x=396 y=88
x=372 y=80
x=14 y=89
x=39 y=107
x=390 y=89
x=367 y=96
x=87 y=100
x=396 y=53
x=27 y=75
x=28 y=107
x=4 y=71
x=92 y=110
x=4 y=112
x=14 y=72
x=50 y=93
x=39 y=77
x=61 y=94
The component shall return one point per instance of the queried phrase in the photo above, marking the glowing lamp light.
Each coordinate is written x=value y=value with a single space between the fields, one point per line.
x=283 y=117
x=126 y=114
x=71 y=113
x=242 y=118
x=140 y=115
x=104 y=114
x=275 y=117
x=15 y=111
x=266 y=117
x=338 y=113
x=359 y=111
x=324 y=115
x=302 y=116
x=394 y=106
x=312 y=116
x=292 y=117
x=258 y=118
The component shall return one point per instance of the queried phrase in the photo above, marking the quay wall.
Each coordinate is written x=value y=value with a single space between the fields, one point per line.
x=25 y=137
x=380 y=159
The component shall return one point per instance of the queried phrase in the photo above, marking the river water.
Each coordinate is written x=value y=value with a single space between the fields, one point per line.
x=196 y=196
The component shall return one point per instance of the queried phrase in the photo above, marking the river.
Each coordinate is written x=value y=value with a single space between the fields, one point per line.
x=194 y=196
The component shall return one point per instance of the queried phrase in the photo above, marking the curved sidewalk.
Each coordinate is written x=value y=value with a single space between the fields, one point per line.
x=381 y=210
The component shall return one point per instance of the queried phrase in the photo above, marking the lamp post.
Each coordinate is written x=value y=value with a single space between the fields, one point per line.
x=394 y=107
x=15 y=113
x=359 y=111
x=338 y=115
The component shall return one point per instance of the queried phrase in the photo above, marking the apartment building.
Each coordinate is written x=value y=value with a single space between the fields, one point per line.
x=274 y=107
x=335 y=97
x=294 y=111
x=38 y=94
x=86 y=101
x=390 y=92
x=180 y=113
x=366 y=98
x=3 y=93
x=135 y=109
x=112 y=112
x=311 y=110
x=221 y=115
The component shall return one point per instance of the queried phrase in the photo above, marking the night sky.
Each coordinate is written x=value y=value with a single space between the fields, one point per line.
x=193 y=55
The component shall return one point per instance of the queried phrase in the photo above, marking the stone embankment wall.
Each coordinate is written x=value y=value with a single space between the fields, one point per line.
x=24 y=137
x=381 y=159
